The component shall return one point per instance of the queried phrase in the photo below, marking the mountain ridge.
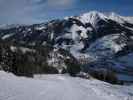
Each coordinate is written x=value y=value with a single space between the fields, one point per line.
x=94 y=39
x=109 y=15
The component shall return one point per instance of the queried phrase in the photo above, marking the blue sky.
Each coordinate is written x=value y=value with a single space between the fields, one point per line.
x=36 y=11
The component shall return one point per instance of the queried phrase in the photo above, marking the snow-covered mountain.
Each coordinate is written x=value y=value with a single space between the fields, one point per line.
x=93 y=17
x=94 y=39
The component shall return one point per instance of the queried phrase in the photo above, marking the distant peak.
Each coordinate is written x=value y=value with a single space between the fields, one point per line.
x=92 y=17
x=94 y=14
x=113 y=14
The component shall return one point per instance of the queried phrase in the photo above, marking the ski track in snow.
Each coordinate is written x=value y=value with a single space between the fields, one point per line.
x=60 y=87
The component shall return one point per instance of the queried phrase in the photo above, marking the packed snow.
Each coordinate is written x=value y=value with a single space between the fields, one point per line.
x=60 y=87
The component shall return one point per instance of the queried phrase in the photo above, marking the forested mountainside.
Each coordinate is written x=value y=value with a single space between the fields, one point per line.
x=90 y=42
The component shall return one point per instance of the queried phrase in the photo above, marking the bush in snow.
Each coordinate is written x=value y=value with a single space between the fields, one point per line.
x=73 y=68
x=105 y=75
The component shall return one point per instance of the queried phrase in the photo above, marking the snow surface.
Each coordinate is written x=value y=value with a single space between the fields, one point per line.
x=23 y=49
x=60 y=87
x=7 y=36
x=106 y=46
x=40 y=28
x=92 y=17
x=116 y=17
x=129 y=19
x=76 y=28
